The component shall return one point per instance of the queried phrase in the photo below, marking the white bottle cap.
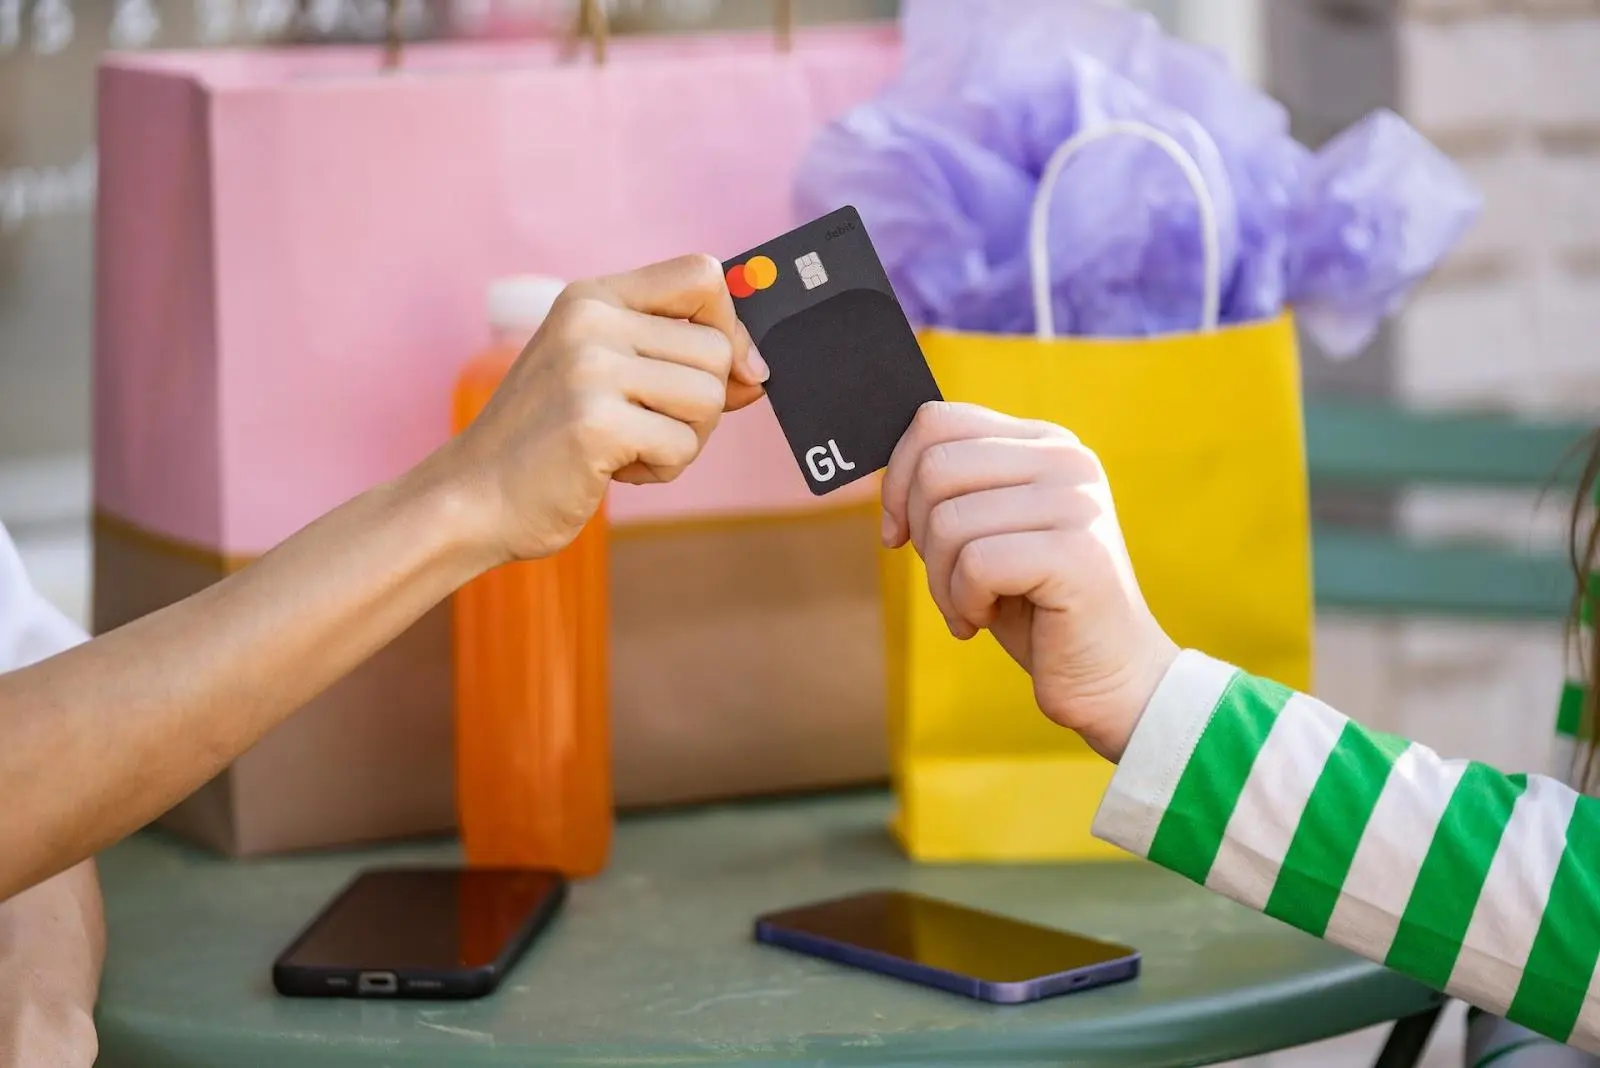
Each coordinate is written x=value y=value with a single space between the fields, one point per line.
x=520 y=303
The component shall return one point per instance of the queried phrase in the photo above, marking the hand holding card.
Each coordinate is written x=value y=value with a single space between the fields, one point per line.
x=625 y=381
x=847 y=374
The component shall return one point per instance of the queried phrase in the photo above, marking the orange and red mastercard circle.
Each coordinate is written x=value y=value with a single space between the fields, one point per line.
x=758 y=272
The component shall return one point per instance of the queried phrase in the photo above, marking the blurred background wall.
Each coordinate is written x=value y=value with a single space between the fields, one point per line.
x=1511 y=323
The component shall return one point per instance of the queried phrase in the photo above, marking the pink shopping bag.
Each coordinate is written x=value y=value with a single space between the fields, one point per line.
x=292 y=251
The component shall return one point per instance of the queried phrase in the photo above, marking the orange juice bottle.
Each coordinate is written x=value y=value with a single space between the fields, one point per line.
x=533 y=743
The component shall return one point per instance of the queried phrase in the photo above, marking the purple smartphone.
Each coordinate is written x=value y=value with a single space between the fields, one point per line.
x=949 y=947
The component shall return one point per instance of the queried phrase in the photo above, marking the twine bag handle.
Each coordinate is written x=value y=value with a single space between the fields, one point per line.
x=594 y=23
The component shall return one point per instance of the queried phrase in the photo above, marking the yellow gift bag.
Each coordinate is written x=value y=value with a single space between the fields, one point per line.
x=1201 y=435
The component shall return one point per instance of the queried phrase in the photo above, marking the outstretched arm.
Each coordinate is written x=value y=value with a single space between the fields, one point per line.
x=1483 y=884
x=627 y=378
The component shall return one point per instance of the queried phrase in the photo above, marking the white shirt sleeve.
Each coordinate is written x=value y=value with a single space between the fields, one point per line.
x=31 y=628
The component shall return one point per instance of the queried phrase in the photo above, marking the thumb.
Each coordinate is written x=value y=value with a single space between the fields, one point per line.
x=741 y=395
x=748 y=366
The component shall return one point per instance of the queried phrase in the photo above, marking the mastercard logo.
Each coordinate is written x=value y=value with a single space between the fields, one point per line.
x=758 y=272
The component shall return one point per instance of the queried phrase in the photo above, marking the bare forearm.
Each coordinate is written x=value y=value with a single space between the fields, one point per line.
x=103 y=738
x=52 y=944
x=625 y=380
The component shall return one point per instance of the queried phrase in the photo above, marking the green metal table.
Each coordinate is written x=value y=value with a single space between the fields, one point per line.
x=653 y=963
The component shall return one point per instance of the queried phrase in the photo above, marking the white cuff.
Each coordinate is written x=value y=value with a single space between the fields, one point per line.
x=1159 y=750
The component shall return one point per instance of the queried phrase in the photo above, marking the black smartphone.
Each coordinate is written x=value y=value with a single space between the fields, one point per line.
x=420 y=933
x=949 y=947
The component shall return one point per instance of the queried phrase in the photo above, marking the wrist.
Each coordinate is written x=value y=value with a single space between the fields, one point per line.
x=452 y=514
x=1109 y=734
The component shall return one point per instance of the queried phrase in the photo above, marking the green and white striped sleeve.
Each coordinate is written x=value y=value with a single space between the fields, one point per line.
x=1481 y=884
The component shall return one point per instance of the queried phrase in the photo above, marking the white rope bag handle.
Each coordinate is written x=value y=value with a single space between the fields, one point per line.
x=1039 y=223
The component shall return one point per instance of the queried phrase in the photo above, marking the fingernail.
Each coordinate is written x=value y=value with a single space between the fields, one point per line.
x=759 y=366
x=889 y=529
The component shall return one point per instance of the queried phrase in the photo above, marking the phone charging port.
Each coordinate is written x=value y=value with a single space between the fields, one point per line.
x=377 y=983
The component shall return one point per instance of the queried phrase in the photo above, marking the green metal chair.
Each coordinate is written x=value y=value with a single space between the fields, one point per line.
x=1374 y=448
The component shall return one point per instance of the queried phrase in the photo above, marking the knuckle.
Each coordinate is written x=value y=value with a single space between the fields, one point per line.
x=573 y=292
x=1053 y=431
x=1087 y=464
x=707 y=396
x=593 y=367
x=720 y=350
x=944 y=521
x=972 y=564
x=703 y=270
x=1067 y=504
x=935 y=467
x=594 y=422
x=685 y=452
x=1072 y=458
x=584 y=316
x=681 y=451
x=581 y=287
x=931 y=417
x=1065 y=507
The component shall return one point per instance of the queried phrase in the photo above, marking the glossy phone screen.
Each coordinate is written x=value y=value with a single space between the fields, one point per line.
x=433 y=919
x=947 y=937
